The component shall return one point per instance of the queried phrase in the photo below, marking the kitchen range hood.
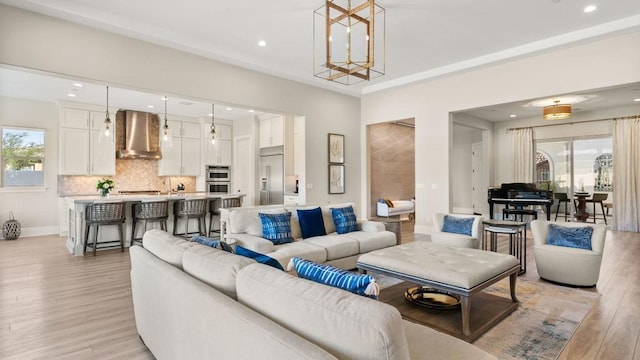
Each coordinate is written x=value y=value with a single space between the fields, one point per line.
x=137 y=135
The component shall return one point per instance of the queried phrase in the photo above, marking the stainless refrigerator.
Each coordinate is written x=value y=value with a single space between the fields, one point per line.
x=271 y=179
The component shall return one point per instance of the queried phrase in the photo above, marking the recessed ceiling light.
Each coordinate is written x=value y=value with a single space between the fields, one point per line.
x=590 y=8
x=71 y=95
x=251 y=110
x=262 y=43
x=210 y=114
x=638 y=99
x=512 y=115
x=77 y=85
x=229 y=109
x=150 y=106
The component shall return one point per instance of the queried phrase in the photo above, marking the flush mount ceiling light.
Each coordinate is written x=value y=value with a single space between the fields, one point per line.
x=556 y=111
x=349 y=41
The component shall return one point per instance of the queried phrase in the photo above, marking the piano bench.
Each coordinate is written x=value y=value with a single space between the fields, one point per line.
x=506 y=213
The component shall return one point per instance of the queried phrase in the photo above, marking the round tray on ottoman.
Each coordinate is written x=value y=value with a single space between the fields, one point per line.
x=432 y=298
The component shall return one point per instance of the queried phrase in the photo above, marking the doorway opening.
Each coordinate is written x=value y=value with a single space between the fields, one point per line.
x=392 y=165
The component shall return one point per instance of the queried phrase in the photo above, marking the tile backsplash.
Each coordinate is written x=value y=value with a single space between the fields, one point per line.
x=130 y=175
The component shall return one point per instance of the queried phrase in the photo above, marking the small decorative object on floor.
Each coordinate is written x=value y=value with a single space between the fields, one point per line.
x=11 y=228
x=104 y=186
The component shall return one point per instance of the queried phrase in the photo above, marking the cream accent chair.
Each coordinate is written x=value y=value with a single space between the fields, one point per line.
x=565 y=265
x=457 y=240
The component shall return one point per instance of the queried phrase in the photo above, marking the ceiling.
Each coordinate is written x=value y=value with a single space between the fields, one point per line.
x=592 y=101
x=18 y=83
x=423 y=40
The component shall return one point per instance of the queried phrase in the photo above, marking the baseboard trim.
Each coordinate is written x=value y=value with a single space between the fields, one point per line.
x=38 y=231
x=423 y=229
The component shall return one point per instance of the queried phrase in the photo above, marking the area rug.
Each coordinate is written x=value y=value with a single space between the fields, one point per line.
x=542 y=325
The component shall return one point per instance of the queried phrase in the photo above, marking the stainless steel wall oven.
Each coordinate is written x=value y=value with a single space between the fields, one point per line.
x=218 y=179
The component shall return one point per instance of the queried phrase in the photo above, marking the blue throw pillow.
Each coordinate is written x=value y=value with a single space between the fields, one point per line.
x=214 y=243
x=360 y=284
x=261 y=258
x=345 y=219
x=276 y=227
x=573 y=237
x=311 y=223
x=457 y=225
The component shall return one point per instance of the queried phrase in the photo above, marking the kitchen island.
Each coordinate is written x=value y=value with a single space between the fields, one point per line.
x=75 y=207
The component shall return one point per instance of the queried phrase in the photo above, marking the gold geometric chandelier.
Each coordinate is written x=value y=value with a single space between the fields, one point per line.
x=556 y=111
x=349 y=41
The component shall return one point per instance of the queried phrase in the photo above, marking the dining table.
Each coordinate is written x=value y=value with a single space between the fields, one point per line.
x=581 y=209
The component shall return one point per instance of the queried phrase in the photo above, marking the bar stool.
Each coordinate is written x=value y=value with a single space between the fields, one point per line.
x=214 y=210
x=190 y=209
x=562 y=199
x=104 y=213
x=507 y=212
x=598 y=198
x=155 y=211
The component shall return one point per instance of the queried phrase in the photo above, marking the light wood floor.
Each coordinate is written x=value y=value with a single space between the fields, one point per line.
x=57 y=306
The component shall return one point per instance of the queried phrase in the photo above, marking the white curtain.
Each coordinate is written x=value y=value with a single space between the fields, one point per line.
x=626 y=175
x=523 y=155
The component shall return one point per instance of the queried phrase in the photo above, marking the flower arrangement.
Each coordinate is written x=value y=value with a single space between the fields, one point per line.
x=105 y=185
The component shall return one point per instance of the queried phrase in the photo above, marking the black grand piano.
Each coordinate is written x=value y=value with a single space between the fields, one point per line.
x=519 y=195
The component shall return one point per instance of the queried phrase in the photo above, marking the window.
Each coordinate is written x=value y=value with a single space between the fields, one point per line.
x=22 y=157
x=582 y=164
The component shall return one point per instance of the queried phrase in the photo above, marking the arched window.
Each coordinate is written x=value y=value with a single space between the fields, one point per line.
x=603 y=172
x=543 y=170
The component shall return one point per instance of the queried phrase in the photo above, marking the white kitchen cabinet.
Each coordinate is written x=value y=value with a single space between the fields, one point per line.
x=191 y=165
x=223 y=132
x=81 y=151
x=74 y=151
x=103 y=155
x=190 y=130
x=171 y=162
x=183 y=157
x=271 y=131
x=220 y=152
x=74 y=118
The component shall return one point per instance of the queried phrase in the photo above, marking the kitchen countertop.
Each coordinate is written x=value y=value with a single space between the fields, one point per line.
x=142 y=197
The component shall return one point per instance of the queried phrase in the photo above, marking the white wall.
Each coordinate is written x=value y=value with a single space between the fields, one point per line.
x=36 y=210
x=47 y=44
x=603 y=63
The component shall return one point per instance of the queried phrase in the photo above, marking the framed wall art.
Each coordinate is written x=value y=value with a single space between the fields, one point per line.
x=336 y=179
x=336 y=149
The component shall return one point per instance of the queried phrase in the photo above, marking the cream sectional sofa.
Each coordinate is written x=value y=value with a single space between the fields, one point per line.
x=243 y=226
x=196 y=302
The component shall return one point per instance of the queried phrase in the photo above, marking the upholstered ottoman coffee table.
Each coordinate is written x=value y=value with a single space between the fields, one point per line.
x=461 y=271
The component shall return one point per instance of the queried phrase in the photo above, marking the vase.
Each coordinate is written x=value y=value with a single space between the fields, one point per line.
x=104 y=193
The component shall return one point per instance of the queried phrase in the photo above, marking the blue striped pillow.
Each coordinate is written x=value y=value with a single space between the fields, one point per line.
x=214 y=243
x=261 y=258
x=276 y=227
x=345 y=219
x=360 y=284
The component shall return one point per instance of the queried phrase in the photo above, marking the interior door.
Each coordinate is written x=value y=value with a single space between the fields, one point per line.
x=478 y=192
x=243 y=179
